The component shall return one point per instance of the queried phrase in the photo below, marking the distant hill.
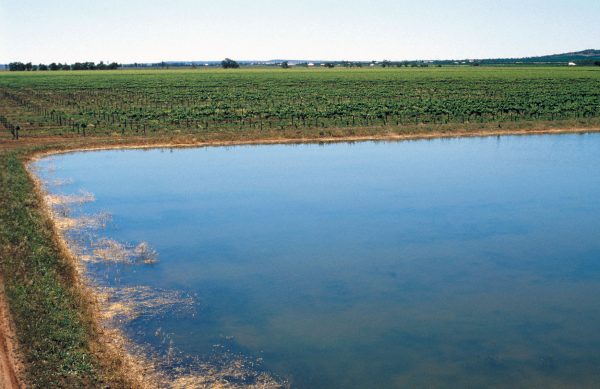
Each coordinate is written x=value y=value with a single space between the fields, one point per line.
x=585 y=57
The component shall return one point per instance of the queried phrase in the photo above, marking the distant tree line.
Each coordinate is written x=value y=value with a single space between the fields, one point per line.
x=29 y=67
x=228 y=63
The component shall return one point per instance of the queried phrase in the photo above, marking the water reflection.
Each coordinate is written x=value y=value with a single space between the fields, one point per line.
x=458 y=262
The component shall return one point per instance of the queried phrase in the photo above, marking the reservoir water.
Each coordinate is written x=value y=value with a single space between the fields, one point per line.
x=469 y=262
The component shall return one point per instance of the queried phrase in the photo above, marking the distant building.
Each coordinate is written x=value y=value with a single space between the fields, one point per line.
x=310 y=64
x=572 y=64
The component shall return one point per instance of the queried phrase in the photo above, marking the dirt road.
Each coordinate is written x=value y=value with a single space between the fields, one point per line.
x=9 y=365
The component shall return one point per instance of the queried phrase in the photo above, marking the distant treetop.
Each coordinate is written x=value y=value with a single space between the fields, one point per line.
x=228 y=63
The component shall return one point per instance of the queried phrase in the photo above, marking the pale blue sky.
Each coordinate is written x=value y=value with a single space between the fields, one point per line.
x=150 y=30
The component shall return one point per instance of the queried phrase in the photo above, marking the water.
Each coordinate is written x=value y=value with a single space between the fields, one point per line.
x=453 y=263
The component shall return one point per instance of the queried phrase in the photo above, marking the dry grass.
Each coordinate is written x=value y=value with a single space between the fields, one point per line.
x=129 y=303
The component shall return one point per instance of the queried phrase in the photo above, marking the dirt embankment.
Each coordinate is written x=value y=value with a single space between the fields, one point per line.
x=10 y=365
x=57 y=145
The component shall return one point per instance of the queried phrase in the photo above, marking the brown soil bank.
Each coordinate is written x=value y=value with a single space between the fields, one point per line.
x=10 y=365
x=60 y=340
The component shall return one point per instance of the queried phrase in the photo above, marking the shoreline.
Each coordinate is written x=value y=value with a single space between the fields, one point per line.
x=112 y=341
x=191 y=142
x=140 y=373
x=141 y=369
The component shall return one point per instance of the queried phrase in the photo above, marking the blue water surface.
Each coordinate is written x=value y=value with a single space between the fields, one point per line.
x=444 y=263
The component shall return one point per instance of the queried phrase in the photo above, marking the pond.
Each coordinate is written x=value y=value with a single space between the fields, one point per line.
x=447 y=262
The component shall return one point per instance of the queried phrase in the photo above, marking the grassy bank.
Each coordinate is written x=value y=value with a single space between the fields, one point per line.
x=55 y=328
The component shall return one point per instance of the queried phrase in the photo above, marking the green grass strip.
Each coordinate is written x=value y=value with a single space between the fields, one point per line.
x=48 y=311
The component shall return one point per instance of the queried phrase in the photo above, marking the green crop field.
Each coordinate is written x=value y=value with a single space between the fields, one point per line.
x=300 y=102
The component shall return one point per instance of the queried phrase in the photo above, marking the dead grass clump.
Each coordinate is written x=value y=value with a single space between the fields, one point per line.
x=58 y=182
x=126 y=304
x=74 y=199
x=109 y=250
x=224 y=370
x=98 y=221
x=208 y=381
x=145 y=253
x=171 y=368
x=61 y=207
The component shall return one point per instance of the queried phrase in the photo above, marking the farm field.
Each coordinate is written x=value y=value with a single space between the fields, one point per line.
x=272 y=103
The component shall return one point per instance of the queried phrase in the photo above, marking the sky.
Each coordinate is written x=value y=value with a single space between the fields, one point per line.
x=43 y=31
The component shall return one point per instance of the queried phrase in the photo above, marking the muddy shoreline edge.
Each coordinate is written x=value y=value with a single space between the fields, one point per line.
x=111 y=341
